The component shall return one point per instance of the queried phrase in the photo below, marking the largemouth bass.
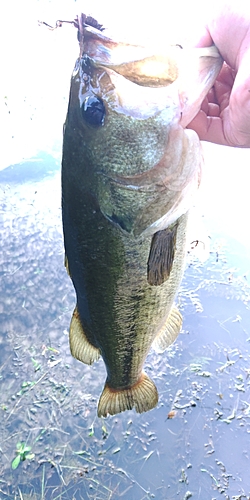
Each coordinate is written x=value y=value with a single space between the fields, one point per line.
x=130 y=171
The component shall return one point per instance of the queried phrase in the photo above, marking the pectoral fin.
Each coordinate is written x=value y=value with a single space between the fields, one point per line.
x=169 y=332
x=142 y=396
x=80 y=347
x=161 y=255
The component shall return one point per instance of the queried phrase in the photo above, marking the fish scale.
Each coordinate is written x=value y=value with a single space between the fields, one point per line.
x=130 y=173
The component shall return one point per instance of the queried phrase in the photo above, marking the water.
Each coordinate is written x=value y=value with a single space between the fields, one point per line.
x=195 y=444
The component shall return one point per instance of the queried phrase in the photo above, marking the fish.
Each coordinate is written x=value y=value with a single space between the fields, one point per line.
x=130 y=173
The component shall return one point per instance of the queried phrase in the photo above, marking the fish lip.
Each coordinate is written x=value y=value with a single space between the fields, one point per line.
x=119 y=55
x=188 y=73
x=89 y=33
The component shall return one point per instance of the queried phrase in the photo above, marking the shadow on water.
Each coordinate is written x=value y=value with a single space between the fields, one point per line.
x=193 y=445
x=33 y=169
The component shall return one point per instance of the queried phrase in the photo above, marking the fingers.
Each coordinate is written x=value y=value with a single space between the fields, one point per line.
x=209 y=128
x=237 y=128
x=210 y=108
x=224 y=117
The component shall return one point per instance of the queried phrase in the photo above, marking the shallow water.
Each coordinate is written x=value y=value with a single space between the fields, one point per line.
x=194 y=444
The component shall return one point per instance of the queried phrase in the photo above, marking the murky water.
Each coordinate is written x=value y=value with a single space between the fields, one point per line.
x=194 y=444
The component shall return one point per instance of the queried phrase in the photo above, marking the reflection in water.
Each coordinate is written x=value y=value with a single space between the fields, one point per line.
x=193 y=445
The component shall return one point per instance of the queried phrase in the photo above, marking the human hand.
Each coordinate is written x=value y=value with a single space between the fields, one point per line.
x=224 y=117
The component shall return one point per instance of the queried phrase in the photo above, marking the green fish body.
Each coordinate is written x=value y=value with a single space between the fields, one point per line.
x=130 y=172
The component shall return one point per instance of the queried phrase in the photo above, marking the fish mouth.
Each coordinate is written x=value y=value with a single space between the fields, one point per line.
x=189 y=72
x=139 y=64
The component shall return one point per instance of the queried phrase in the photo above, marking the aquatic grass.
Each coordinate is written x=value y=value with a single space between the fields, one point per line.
x=89 y=479
x=23 y=453
x=94 y=484
x=105 y=432
x=23 y=450
x=212 y=476
x=91 y=430
x=36 y=364
x=144 y=458
x=43 y=483
x=53 y=349
x=27 y=387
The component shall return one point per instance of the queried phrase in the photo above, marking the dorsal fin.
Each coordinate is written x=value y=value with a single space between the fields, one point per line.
x=161 y=255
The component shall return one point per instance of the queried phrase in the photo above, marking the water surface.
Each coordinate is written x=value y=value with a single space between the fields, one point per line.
x=194 y=444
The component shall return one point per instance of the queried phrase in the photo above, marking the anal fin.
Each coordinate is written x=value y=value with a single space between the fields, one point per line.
x=66 y=264
x=143 y=396
x=169 y=332
x=80 y=346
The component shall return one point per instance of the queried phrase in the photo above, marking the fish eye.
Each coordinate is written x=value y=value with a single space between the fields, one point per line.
x=93 y=111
